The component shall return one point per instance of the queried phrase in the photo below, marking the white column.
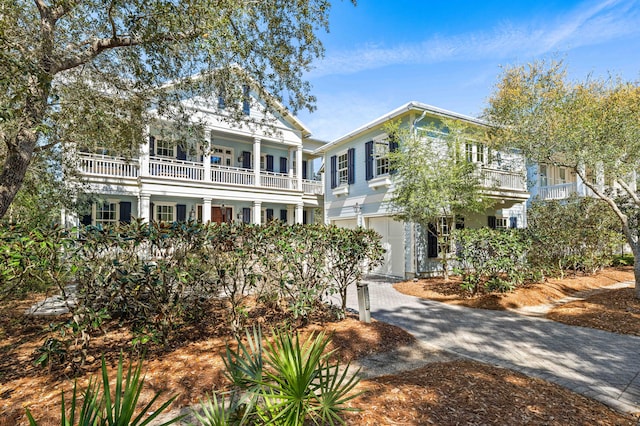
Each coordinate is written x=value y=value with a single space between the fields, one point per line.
x=257 y=212
x=299 y=168
x=290 y=213
x=299 y=213
x=144 y=157
x=206 y=210
x=292 y=154
x=256 y=160
x=206 y=160
x=581 y=188
x=144 y=207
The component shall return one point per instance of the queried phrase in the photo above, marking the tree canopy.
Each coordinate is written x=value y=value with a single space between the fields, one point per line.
x=79 y=71
x=591 y=127
x=433 y=181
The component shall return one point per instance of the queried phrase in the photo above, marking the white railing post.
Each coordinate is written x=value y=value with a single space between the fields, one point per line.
x=299 y=168
x=256 y=161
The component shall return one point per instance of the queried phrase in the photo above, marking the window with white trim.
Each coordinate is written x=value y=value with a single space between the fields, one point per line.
x=468 y=149
x=562 y=175
x=222 y=156
x=343 y=168
x=165 y=212
x=381 y=156
x=106 y=213
x=542 y=175
x=165 y=148
x=502 y=223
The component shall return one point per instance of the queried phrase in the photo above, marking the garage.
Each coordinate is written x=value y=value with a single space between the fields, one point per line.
x=392 y=233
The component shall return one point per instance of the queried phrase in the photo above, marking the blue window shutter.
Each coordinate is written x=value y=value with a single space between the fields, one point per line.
x=284 y=165
x=304 y=217
x=269 y=214
x=368 y=149
x=125 y=211
x=221 y=102
x=152 y=145
x=246 y=215
x=432 y=241
x=283 y=215
x=182 y=155
x=269 y=163
x=246 y=159
x=304 y=169
x=351 y=166
x=334 y=171
x=246 y=108
x=181 y=212
x=513 y=222
x=393 y=147
x=491 y=222
x=86 y=219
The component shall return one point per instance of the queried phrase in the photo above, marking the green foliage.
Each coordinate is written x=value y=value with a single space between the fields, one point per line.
x=103 y=407
x=283 y=382
x=96 y=69
x=622 y=260
x=580 y=234
x=590 y=127
x=433 y=181
x=496 y=258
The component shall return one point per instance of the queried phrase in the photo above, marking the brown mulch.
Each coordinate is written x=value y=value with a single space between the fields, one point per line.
x=612 y=310
x=530 y=294
x=471 y=393
x=457 y=392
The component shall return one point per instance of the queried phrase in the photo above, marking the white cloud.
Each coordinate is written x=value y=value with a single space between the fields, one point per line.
x=591 y=23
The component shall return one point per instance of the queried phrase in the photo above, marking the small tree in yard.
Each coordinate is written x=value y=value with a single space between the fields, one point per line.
x=351 y=253
x=434 y=184
x=591 y=127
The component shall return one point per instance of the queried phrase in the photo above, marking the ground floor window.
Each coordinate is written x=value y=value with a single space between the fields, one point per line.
x=165 y=213
x=106 y=213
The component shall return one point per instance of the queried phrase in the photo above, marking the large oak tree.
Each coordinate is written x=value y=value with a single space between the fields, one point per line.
x=592 y=127
x=88 y=71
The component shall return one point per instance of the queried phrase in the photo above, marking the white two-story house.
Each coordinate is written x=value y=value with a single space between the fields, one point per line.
x=358 y=185
x=252 y=171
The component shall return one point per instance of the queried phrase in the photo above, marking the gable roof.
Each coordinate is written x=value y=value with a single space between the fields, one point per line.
x=409 y=106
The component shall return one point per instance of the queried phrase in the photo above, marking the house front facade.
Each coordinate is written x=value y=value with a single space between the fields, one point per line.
x=359 y=183
x=210 y=169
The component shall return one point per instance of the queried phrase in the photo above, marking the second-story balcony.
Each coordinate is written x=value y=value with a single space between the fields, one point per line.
x=95 y=165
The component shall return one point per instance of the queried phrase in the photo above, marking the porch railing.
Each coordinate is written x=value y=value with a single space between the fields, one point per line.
x=502 y=179
x=103 y=165
x=277 y=180
x=106 y=165
x=232 y=175
x=558 y=192
x=312 y=187
x=176 y=169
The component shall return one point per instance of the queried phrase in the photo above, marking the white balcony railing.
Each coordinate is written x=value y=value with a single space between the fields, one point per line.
x=312 y=187
x=176 y=169
x=232 y=175
x=105 y=165
x=277 y=180
x=502 y=179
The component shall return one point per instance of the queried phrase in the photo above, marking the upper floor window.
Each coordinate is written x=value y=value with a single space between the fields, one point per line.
x=542 y=175
x=165 y=148
x=222 y=156
x=381 y=155
x=246 y=105
x=468 y=149
x=343 y=165
x=562 y=175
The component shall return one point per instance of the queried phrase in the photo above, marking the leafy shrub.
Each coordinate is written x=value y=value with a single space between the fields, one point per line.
x=495 y=257
x=282 y=382
x=579 y=234
x=100 y=406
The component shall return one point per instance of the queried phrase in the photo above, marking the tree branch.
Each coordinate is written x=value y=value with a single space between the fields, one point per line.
x=632 y=193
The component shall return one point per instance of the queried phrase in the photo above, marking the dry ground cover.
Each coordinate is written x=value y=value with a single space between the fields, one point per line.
x=452 y=392
x=612 y=310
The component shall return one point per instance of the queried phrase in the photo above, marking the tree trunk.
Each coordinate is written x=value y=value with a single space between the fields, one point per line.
x=636 y=273
x=15 y=167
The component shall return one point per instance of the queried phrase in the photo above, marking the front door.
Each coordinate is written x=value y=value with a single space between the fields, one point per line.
x=219 y=214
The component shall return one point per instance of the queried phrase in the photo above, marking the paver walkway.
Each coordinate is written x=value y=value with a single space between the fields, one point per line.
x=598 y=364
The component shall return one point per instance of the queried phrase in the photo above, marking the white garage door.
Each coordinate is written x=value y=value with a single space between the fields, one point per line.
x=392 y=233
x=345 y=223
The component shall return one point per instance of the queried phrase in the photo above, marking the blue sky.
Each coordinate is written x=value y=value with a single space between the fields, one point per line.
x=449 y=54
